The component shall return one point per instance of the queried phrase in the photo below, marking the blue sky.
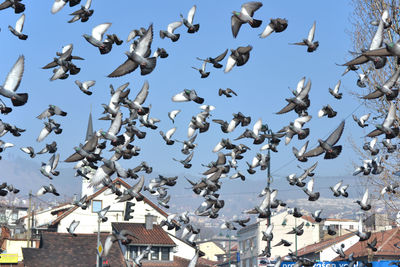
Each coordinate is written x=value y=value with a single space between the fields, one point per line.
x=262 y=84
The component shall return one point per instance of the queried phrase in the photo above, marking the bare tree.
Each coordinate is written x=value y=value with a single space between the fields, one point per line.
x=363 y=29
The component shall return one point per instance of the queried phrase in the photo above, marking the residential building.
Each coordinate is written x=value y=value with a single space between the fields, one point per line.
x=10 y=216
x=211 y=249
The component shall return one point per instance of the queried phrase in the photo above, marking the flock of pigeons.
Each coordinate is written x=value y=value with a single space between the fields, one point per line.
x=91 y=165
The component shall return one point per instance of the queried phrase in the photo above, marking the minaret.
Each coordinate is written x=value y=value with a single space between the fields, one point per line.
x=86 y=190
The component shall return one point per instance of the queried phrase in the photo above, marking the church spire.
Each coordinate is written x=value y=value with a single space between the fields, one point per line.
x=89 y=131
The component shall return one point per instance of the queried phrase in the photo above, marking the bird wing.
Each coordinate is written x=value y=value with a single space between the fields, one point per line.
x=108 y=244
x=222 y=56
x=54 y=163
x=99 y=30
x=43 y=134
x=57 y=6
x=189 y=158
x=304 y=93
x=337 y=186
x=88 y=84
x=59 y=73
x=26 y=149
x=310 y=185
x=138 y=187
x=15 y=75
x=267 y=31
x=300 y=85
x=364 y=199
x=373 y=142
x=142 y=95
x=101 y=173
x=357 y=61
x=287 y=108
x=236 y=23
x=230 y=64
x=314 y=152
x=335 y=136
x=377 y=52
x=170 y=132
x=257 y=127
x=88 y=4
x=127 y=67
x=144 y=43
x=311 y=33
x=41 y=191
x=218 y=147
x=250 y=7
x=19 y=25
x=303 y=148
x=181 y=97
x=390 y=117
x=191 y=13
x=337 y=86
x=373 y=95
x=298 y=123
x=116 y=124
x=174 y=25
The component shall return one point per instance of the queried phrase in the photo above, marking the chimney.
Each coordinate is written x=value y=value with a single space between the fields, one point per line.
x=149 y=221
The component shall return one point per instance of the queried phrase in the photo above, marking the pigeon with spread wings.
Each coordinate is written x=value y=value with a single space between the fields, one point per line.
x=328 y=145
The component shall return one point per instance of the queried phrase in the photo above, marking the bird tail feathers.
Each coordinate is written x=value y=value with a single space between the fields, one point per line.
x=151 y=64
x=194 y=29
x=176 y=37
x=334 y=153
x=256 y=23
x=20 y=100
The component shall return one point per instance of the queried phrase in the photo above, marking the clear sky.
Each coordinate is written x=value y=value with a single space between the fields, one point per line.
x=262 y=84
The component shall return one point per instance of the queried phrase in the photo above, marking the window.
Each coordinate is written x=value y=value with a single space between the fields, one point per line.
x=133 y=252
x=97 y=205
x=154 y=253
x=165 y=254
x=351 y=227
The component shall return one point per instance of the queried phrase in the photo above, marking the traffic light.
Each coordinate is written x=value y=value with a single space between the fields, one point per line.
x=128 y=210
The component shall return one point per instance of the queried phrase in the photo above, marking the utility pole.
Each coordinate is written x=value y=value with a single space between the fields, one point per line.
x=295 y=238
x=99 y=262
x=268 y=186
x=229 y=247
x=29 y=220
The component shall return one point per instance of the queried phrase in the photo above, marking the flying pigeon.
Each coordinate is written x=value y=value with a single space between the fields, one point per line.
x=309 y=42
x=172 y=114
x=48 y=168
x=238 y=57
x=117 y=236
x=299 y=154
x=47 y=189
x=133 y=192
x=167 y=136
x=83 y=14
x=328 y=145
x=186 y=161
x=298 y=230
x=170 y=31
x=138 y=55
x=49 y=126
x=316 y=215
x=84 y=86
x=386 y=89
x=339 y=251
x=188 y=22
x=389 y=146
x=12 y=82
x=327 y=111
x=226 y=92
x=364 y=203
x=245 y=16
x=215 y=61
x=50 y=148
x=268 y=235
x=72 y=227
x=385 y=127
x=96 y=39
x=362 y=120
x=51 y=111
x=335 y=92
x=188 y=95
x=312 y=196
x=59 y=4
x=362 y=78
x=19 y=25
x=15 y=4
x=202 y=71
x=299 y=102
x=276 y=25
x=371 y=147
x=284 y=243
x=28 y=150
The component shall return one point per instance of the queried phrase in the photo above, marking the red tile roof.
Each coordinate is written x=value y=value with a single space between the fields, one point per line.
x=385 y=241
x=65 y=250
x=119 y=180
x=156 y=236
x=323 y=244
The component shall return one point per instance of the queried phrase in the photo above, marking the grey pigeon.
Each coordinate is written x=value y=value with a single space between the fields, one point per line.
x=59 y=4
x=47 y=189
x=385 y=127
x=328 y=145
x=84 y=86
x=299 y=102
x=226 y=92
x=202 y=71
x=138 y=55
x=186 y=161
x=188 y=95
x=238 y=57
x=19 y=25
x=72 y=227
x=362 y=120
x=298 y=230
x=96 y=38
x=51 y=111
x=15 y=4
x=327 y=111
x=335 y=91
x=169 y=33
x=299 y=154
x=312 y=196
x=188 y=22
x=276 y=25
x=49 y=148
x=215 y=61
x=386 y=89
x=117 y=236
x=364 y=202
x=48 y=169
x=309 y=42
x=12 y=82
x=371 y=147
x=245 y=16
x=28 y=150
x=83 y=14
x=133 y=192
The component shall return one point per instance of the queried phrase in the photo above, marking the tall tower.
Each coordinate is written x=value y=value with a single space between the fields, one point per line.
x=86 y=190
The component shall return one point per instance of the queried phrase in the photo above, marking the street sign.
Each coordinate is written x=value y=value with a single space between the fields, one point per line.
x=238 y=256
x=9 y=258
x=100 y=249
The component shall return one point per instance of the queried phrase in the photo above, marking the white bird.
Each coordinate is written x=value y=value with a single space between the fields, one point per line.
x=72 y=227
x=48 y=168
x=335 y=91
x=167 y=136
